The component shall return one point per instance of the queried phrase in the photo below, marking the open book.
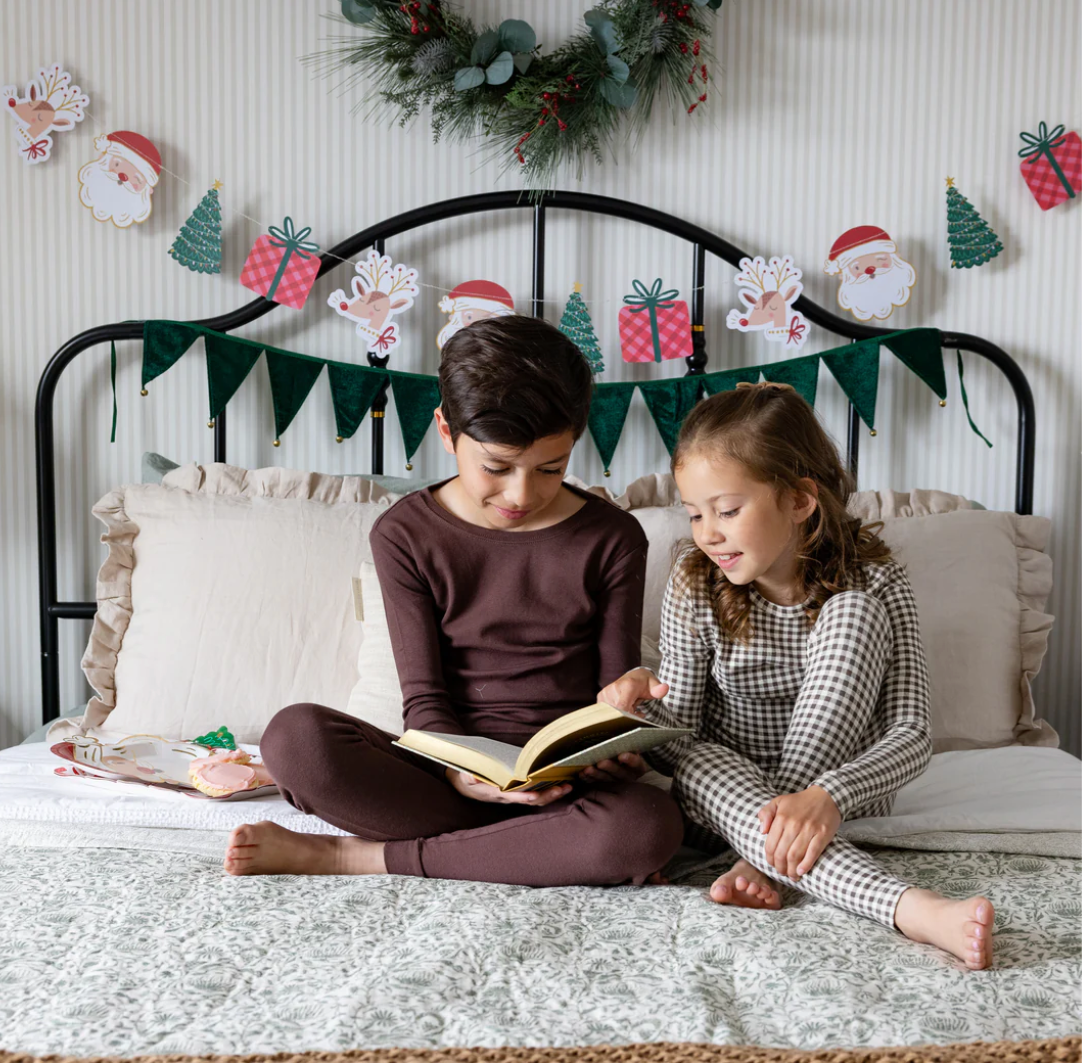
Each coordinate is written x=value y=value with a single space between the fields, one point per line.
x=557 y=752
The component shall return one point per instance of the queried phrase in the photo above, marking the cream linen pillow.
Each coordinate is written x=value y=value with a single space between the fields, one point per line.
x=222 y=604
x=980 y=579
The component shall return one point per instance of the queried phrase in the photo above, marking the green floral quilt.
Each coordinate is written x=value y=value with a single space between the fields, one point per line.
x=118 y=952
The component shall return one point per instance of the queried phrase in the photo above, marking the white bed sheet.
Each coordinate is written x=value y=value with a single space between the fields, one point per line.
x=1013 y=789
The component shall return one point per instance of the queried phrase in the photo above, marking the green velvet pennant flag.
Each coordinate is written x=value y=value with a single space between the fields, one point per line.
x=921 y=350
x=229 y=361
x=965 y=401
x=291 y=379
x=856 y=369
x=669 y=402
x=353 y=388
x=802 y=373
x=164 y=342
x=415 y=397
x=608 y=412
x=726 y=380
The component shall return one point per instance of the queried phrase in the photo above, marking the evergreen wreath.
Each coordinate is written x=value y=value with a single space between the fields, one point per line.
x=535 y=111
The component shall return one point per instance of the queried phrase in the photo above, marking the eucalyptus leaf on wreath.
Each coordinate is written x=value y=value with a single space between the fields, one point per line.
x=358 y=11
x=602 y=29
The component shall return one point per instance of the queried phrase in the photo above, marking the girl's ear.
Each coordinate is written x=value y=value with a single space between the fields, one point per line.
x=444 y=431
x=805 y=499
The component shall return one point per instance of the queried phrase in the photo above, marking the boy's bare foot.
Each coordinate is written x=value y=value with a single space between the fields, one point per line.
x=963 y=928
x=266 y=849
x=746 y=886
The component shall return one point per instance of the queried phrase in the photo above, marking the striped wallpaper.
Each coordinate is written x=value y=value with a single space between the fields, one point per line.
x=824 y=114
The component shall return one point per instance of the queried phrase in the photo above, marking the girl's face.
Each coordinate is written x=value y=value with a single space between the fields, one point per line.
x=747 y=529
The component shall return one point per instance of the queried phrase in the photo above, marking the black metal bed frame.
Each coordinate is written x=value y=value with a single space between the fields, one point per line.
x=53 y=610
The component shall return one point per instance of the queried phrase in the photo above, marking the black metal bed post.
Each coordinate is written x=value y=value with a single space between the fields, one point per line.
x=537 y=301
x=379 y=404
x=852 y=441
x=696 y=361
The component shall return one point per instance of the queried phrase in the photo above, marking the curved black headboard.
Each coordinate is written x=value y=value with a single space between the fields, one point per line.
x=52 y=610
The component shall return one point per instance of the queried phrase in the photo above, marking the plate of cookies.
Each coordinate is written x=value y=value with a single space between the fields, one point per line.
x=211 y=766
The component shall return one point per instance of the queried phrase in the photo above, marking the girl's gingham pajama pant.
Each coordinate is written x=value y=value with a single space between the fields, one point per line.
x=842 y=705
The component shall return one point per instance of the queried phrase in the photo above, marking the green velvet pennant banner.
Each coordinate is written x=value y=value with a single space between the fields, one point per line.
x=229 y=361
x=727 y=380
x=856 y=369
x=608 y=412
x=164 y=342
x=669 y=402
x=291 y=379
x=921 y=350
x=415 y=397
x=353 y=388
x=965 y=401
x=802 y=373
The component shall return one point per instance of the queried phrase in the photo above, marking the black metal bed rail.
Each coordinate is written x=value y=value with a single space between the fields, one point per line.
x=51 y=610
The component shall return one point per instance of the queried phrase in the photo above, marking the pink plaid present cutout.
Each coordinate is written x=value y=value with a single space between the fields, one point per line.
x=282 y=266
x=1052 y=165
x=654 y=325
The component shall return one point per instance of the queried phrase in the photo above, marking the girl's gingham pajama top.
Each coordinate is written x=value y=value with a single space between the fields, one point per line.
x=842 y=705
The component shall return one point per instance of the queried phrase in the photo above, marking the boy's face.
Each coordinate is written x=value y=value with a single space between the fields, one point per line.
x=506 y=488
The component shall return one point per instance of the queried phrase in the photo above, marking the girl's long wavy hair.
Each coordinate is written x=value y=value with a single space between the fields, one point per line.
x=774 y=434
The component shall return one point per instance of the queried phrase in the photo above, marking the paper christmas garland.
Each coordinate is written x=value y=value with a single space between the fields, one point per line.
x=282 y=267
x=354 y=387
x=380 y=290
x=971 y=240
x=51 y=104
x=198 y=245
x=1051 y=165
x=768 y=289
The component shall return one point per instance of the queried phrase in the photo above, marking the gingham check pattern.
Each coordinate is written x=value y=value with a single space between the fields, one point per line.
x=1043 y=182
x=637 y=338
x=262 y=265
x=843 y=706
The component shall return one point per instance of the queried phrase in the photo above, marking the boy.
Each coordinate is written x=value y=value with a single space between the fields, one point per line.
x=511 y=599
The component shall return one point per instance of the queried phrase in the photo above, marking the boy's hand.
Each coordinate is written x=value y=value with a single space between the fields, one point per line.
x=631 y=689
x=626 y=768
x=799 y=827
x=473 y=788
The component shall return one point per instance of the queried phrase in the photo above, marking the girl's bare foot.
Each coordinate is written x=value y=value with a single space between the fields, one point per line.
x=266 y=849
x=746 y=886
x=963 y=928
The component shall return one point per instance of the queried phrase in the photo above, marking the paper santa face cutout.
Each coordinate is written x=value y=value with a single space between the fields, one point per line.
x=51 y=103
x=117 y=186
x=380 y=290
x=873 y=278
x=472 y=301
x=767 y=290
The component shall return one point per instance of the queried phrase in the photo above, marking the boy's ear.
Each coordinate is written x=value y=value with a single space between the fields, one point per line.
x=444 y=431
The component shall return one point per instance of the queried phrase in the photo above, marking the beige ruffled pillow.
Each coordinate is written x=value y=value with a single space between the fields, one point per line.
x=226 y=594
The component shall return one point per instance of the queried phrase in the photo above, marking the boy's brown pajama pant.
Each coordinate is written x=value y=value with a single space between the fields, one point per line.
x=348 y=773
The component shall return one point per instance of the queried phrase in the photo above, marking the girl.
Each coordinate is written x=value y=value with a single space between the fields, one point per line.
x=790 y=644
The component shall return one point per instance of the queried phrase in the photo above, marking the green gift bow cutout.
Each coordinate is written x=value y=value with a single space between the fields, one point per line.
x=1042 y=144
x=222 y=739
x=651 y=299
x=294 y=243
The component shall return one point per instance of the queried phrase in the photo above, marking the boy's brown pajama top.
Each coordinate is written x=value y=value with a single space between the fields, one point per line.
x=494 y=633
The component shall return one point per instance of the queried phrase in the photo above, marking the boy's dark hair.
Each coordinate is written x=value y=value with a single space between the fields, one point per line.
x=513 y=380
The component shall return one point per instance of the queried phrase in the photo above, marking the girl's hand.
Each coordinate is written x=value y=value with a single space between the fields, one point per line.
x=631 y=689
x=624 y=769
x=799 y=827
x=473 y=788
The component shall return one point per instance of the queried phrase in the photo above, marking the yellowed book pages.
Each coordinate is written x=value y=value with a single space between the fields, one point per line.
x=559 y=751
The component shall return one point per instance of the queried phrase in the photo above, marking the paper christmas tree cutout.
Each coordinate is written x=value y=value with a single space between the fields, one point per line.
x=971 y=239
x=577 y=325
x=199 y=243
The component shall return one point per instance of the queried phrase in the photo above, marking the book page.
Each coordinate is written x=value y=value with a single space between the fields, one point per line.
x=504 y=753
x=632 y=742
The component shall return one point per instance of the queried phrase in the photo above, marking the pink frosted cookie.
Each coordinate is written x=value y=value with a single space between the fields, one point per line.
x=226 y=772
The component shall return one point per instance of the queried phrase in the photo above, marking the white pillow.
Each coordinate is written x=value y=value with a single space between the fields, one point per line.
x=377 y=695
x=222 y=608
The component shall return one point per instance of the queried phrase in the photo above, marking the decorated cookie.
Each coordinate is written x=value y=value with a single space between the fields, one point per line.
x=226 y=772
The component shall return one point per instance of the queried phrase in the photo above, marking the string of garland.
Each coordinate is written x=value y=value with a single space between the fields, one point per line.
x=538 y=111
x=354 y=387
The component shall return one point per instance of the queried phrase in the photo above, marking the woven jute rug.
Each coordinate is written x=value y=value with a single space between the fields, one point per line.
x=1051 y=1049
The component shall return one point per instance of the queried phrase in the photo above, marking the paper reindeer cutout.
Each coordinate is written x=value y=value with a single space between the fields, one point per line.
x=768 y=290
x=51 y=103
x=380 y=290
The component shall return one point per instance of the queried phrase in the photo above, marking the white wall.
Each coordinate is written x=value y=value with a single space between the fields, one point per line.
x=825 y=114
